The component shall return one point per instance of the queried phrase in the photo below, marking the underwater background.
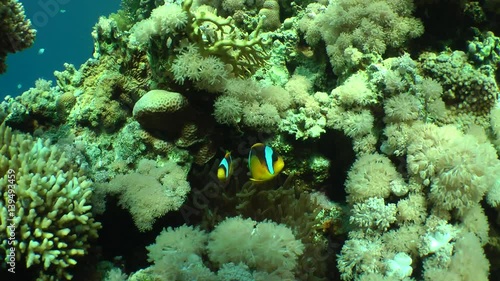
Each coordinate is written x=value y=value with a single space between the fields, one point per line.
x=249 y=140
x=63 y=35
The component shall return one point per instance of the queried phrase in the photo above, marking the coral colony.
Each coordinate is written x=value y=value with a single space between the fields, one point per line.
x=258 y=140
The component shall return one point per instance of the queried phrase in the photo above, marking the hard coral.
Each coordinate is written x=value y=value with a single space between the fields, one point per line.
x=158 y=106
x=17 y=32
x=466 y=88
x=49 y=205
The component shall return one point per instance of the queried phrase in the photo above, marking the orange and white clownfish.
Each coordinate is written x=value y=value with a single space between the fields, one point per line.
x=225 y=169
x=264 y=163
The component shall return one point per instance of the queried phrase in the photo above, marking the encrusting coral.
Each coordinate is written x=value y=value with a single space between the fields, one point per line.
x=465 y=87
x=47 y=209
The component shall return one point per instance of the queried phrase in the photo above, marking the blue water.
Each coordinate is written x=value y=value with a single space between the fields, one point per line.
x=63 y=30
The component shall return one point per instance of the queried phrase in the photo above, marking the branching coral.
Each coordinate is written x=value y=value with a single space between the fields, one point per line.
x=17 y=32
x=47 y=206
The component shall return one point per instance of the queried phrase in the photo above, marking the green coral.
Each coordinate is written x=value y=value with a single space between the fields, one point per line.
x=466 y=87
x=485 y=48
x=17 y=31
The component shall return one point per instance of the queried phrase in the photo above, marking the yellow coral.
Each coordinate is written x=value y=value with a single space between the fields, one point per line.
x=49 y=209
x=371 y=176
x=458 y=168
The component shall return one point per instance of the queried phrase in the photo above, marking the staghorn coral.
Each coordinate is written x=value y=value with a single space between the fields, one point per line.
x=17 y=32
x=48 y=206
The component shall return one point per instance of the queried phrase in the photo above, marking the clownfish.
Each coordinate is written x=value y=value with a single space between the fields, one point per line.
x=264 y=163
x=225 y=169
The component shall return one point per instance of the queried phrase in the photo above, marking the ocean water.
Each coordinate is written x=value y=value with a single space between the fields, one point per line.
x=63 y=32
x=343 y=165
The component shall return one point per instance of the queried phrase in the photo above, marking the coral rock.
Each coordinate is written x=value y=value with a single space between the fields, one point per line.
x=160 y=109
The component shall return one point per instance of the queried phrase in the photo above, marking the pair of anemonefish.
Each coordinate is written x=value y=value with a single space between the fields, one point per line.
x=263 y=162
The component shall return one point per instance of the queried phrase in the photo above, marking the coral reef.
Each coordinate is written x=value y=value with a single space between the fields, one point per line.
x=354 y=30
x=17 y=32
x=150 y=192
x=44 y=206
x=386 y=115
x=263 y=251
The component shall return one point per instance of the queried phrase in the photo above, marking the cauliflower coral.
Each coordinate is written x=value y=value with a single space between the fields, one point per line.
x=241 y=249
x=459 y=169
x=360 y=27
x=151 y=191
